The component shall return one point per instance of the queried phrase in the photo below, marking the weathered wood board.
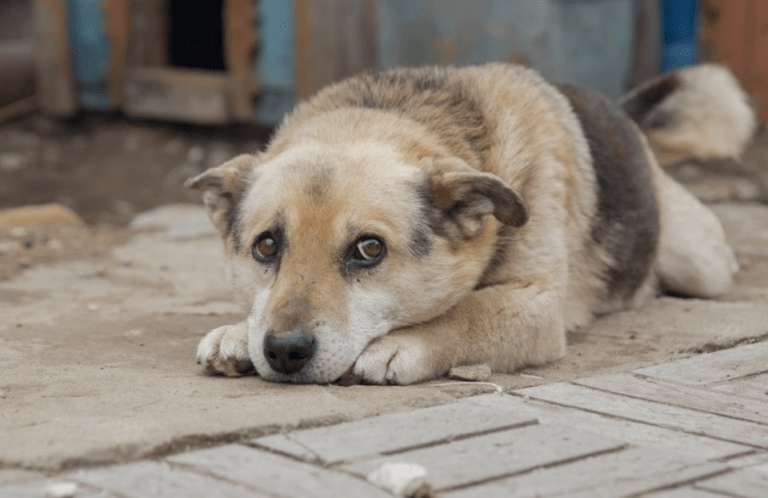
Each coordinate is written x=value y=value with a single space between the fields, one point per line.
x=185 y=95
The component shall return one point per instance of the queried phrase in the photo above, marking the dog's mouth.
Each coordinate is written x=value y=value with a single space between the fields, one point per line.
x=310 y=376
x=349 y=378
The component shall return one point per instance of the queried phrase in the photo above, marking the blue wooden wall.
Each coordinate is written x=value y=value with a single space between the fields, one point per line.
x=582 y=42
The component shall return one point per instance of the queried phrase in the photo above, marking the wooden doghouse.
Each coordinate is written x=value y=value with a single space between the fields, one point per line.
x=223 y=61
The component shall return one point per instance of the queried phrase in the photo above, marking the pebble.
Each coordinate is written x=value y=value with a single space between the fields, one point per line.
x=61 y=490
x=55 y=245
x=9 y=246
x=402 y=479
x=195 y=154
x=12 y=161
x=476 y=373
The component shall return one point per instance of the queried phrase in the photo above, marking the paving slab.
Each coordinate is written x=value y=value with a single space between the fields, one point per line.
x=694 y=398
x=748 y=483
x=495 y=455
x=758 y=459
x=686 y=492
x=149 y=479
x=42 y=489
x=276 y=475
x=400 y=432
x=662 y=415
x=669 y=441
x=711 y=368
x=624 y=473
x=749 y=387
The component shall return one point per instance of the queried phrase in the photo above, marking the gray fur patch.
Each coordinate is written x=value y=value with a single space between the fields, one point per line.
x=627 y=222
x=641 y=102
x=432 y=96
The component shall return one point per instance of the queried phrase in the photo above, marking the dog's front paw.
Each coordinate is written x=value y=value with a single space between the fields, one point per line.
x=225 y=350
x=395 y=359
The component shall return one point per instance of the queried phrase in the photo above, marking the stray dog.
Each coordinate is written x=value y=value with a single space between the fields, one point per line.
x=404 y=222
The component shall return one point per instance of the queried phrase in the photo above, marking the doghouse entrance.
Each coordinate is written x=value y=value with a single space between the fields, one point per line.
x=196 y=34
x=182 y=60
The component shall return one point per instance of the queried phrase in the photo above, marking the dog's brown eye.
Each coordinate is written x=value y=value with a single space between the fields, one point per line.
x=369 y=249
x=367 y=252
x=266 y=247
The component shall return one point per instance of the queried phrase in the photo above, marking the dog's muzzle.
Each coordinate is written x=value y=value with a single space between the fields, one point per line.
x=288 y=351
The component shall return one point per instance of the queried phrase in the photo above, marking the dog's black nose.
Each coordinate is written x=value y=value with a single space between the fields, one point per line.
x=288 y=351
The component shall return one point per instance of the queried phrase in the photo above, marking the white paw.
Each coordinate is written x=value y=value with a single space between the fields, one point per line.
x=225 y=350
x=394 y=360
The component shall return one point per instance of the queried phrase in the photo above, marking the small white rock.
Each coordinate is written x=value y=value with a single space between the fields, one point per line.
x=61 y=490
x=55 y=245
x=8 y=246
x=401 y=479
x=195 y=154
x=476 y=373
x=12 y=161
x=19 y=232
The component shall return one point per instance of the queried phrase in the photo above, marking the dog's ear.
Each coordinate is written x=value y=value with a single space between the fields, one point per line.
x=223 y=187
x=467 y=197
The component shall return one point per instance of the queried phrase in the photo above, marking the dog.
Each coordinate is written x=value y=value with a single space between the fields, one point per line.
x=404 y=222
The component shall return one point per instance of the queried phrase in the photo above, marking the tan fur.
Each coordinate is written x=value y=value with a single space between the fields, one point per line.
x=487 y=225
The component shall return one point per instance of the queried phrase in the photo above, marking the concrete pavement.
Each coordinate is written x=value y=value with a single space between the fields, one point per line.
x=100 y=388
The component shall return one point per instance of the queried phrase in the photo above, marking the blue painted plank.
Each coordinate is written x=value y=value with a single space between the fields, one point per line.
x=275 y=61
x=680 y=27
x=90 y=53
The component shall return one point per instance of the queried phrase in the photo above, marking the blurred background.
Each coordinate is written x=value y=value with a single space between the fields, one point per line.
x=106 y=106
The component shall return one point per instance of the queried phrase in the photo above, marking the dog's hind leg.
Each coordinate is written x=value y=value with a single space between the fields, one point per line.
x=698 y=112
x=694 y=258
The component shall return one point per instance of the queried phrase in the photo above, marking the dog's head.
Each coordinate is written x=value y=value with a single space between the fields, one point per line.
x=331 y=249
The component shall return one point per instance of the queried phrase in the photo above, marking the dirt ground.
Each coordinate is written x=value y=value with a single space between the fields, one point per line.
x=107 y=169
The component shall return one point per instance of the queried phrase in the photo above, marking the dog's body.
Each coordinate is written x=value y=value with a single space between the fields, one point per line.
x=405 y=222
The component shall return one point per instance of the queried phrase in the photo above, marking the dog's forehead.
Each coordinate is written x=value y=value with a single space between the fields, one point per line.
x=358 y=184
